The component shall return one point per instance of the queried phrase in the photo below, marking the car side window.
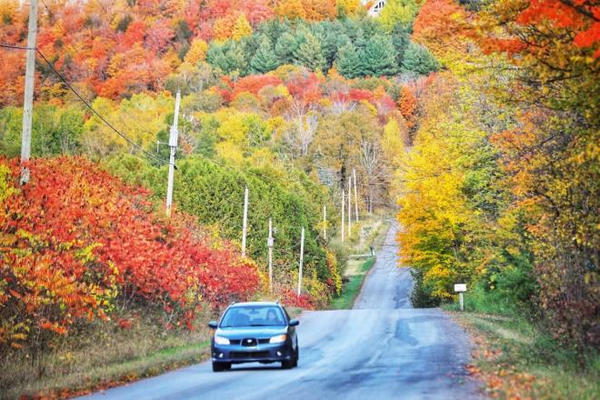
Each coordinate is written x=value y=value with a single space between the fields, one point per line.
x=287 y=316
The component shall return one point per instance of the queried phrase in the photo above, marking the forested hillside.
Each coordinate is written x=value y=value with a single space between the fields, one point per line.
x=286 y=98
x=501 y=185
x=475 y=122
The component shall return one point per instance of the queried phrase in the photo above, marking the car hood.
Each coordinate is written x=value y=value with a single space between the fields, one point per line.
x=257 y=332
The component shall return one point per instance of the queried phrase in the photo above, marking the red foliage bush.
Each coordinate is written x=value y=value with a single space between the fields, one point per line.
x=360 y=94
x=253 y=84
x=75 y=242
x=304 y=85
x=290 y=298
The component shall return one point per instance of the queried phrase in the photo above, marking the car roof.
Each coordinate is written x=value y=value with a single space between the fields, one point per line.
x=255 y=303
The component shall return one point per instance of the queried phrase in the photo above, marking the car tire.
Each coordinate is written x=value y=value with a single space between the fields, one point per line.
x=297 y=357
x=293 y=362
x=220 y=366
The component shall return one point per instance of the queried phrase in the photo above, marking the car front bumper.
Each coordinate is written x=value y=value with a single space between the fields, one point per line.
x=236 y=354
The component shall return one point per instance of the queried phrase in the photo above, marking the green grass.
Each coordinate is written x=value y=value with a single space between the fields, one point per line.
x=529 y=362
x=351 y=288
x=371 y=230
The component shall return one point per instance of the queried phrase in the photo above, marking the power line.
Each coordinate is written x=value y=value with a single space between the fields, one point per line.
x=86 y=103
x=12 y=46
x=89 y=106
x=48 y=9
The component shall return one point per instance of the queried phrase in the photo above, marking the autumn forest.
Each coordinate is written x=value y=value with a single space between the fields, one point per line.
x=475 y=124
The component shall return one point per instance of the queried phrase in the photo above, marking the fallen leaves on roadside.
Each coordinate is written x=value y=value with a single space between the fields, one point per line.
x=501 y=380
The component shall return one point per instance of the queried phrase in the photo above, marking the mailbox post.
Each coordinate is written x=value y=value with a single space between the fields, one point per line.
x=460 y=288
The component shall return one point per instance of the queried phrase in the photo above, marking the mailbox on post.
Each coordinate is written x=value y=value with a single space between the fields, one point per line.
x=460 y=288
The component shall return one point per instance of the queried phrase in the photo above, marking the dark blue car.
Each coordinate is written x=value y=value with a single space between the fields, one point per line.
x=254 y=332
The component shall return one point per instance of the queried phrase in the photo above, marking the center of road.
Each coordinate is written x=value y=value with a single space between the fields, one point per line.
x=382 y=349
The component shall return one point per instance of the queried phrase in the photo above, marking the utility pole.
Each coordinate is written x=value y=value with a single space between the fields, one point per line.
x=324 y=222
x=173 y=136
x=349 y=208
x=301 y=262
x=29 y=84
x=343 y=221
x=355 y=195
x=270 y=246
x=245 y=223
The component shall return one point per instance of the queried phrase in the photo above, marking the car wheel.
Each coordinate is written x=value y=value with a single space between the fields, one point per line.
x=219 y=366
x=297 y=356
x=287 y=364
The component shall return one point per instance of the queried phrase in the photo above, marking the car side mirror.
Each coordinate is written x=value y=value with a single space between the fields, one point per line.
x=213 y=324
x=294 y=322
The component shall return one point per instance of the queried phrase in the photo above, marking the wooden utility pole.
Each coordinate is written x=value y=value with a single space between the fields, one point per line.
x=301 y=261
x=355 y=195
x=245 y=223
x=29 y=84
x=343 y=219
x=325 y=222
x=349 y=208
x=270 y=243
x=173 y=136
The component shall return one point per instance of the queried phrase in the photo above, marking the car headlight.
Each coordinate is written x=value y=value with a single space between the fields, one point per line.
x=221 y=340
x=278 y=339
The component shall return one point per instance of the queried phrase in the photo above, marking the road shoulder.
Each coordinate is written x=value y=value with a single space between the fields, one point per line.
x=514 y=362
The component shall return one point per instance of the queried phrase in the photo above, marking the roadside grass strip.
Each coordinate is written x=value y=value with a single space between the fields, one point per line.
x=351 y=288
x=103 y=359
x=516 y=360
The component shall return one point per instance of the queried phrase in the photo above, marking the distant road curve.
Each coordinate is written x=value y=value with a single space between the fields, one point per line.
x=382 y=349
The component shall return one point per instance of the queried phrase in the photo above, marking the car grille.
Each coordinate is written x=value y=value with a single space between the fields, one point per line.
x=245 y=342
x=250 y=342
x=249 y=354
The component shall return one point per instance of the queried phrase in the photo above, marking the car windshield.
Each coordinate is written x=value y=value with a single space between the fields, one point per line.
x=253 y=316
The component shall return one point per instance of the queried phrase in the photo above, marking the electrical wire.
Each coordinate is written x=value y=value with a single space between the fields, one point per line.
x=89 y=106
x=48 y=9
x=86 y=103
x=12 y=46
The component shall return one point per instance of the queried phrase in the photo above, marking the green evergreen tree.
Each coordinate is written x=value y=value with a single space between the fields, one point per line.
x=401 y=40
x=310 y=54
x=356 y=34
x=418 y=60
x=348 y=61
x=273 y=29
x=379 y=56
x=327 y=37
x=231 y=57
x=264 y=59
x=237 y=58
x=285 y=47
x=215 y=56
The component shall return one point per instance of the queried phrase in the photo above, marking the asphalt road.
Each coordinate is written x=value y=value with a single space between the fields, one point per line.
x=382 y=349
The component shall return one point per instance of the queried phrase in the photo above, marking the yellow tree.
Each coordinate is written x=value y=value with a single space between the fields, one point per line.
x=443 y=230
x=347 y=7
x=223 y=27
x=290 y=9
x=197 y=52
x=141 y=118
x=398 y=11
x=241 y=28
